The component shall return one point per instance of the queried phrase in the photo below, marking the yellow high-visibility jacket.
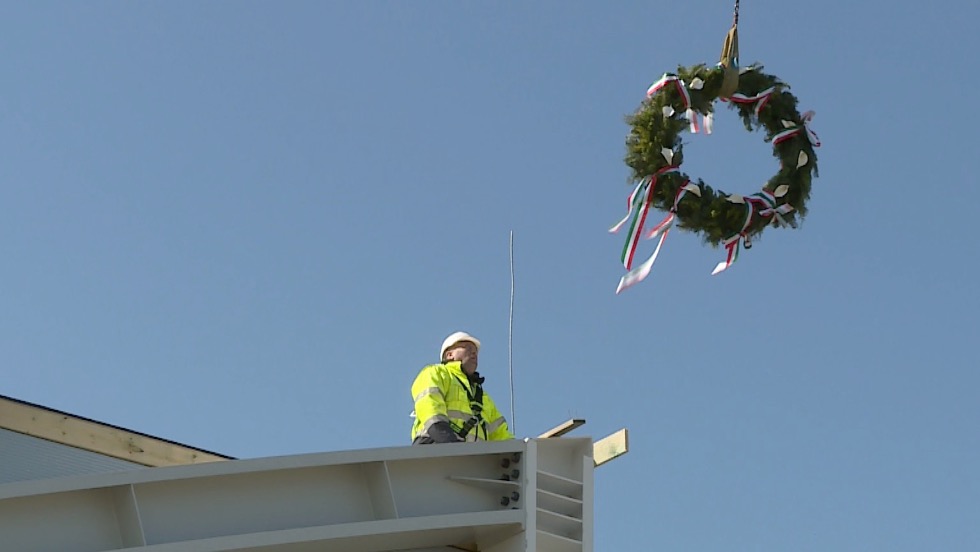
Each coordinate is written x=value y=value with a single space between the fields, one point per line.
x=442 y=394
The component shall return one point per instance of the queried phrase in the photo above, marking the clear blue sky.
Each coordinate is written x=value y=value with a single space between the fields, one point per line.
x=246 y=225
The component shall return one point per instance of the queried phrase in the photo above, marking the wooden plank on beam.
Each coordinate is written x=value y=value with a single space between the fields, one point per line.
x=97 y=437
x=562 y=429
x=610 y=447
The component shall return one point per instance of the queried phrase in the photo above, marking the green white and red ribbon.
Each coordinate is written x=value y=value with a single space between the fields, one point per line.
x=636 y=228
x=638 y=205
x=733 y=243
x=767 y=200
x=638 y=208
x=640 y=273
x=692 y=116
x=630 y=204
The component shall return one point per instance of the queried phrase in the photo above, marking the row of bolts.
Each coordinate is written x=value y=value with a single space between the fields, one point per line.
x=505 y=463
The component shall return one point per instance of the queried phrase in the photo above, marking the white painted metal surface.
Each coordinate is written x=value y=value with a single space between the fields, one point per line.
x=508 y=496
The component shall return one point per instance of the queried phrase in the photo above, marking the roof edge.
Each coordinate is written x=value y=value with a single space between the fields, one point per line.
x=98 y=437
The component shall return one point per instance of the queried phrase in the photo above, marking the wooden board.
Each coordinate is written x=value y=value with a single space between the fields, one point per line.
x=562 y=429
x=610 y=447
x=89 y=435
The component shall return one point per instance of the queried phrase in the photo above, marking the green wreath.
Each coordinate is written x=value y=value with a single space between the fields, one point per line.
x=655 y=153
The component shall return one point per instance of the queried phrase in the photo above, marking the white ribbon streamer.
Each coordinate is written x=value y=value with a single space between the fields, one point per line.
x=640 y=273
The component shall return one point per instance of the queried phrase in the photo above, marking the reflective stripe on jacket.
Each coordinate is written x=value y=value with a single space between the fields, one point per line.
x=440 y=395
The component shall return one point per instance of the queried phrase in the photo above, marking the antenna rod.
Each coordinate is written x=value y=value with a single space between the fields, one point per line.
x=510 y=337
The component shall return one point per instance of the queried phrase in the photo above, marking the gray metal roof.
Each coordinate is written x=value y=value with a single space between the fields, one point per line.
x=25 y=458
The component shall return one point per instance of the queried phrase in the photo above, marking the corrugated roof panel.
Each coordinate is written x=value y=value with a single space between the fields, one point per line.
x=25 y=458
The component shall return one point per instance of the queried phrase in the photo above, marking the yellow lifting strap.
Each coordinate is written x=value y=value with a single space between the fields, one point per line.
x=729 y=59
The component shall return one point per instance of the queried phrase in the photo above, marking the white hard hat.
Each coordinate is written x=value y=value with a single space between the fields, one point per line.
x=456 y=338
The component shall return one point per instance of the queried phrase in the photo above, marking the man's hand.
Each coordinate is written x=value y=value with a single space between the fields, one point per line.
x=442 y=432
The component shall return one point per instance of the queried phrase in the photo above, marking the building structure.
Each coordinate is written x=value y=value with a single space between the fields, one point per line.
x=68 y=484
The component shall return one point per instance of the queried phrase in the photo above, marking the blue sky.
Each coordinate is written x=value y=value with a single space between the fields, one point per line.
x=245 y=226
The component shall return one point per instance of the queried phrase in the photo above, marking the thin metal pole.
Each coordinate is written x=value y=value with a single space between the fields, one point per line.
x=510 y=337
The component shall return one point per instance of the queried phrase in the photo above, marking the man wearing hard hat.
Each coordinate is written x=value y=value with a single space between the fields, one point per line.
x=450 y=405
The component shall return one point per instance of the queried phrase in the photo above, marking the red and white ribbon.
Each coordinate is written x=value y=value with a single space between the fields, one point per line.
x=692 y=116
x=669 y=219
x=707 y=121
x=797 y=129
x=762 y=98
x=668 y=79
x=812 y=136
x=640 y=273
x=732 y=244
x=786 y=134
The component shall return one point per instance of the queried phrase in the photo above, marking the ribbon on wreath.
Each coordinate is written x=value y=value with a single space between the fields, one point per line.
x=638 y=206
x=668 y=222
x=760 y=99
x=812 y=136
x=767 y=200
x=733 y=243
x=707 y=122
x=692 y=116
x=794 y=130
x=640 y=273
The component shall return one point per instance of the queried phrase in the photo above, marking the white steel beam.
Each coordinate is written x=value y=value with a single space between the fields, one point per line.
x=508 y=496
